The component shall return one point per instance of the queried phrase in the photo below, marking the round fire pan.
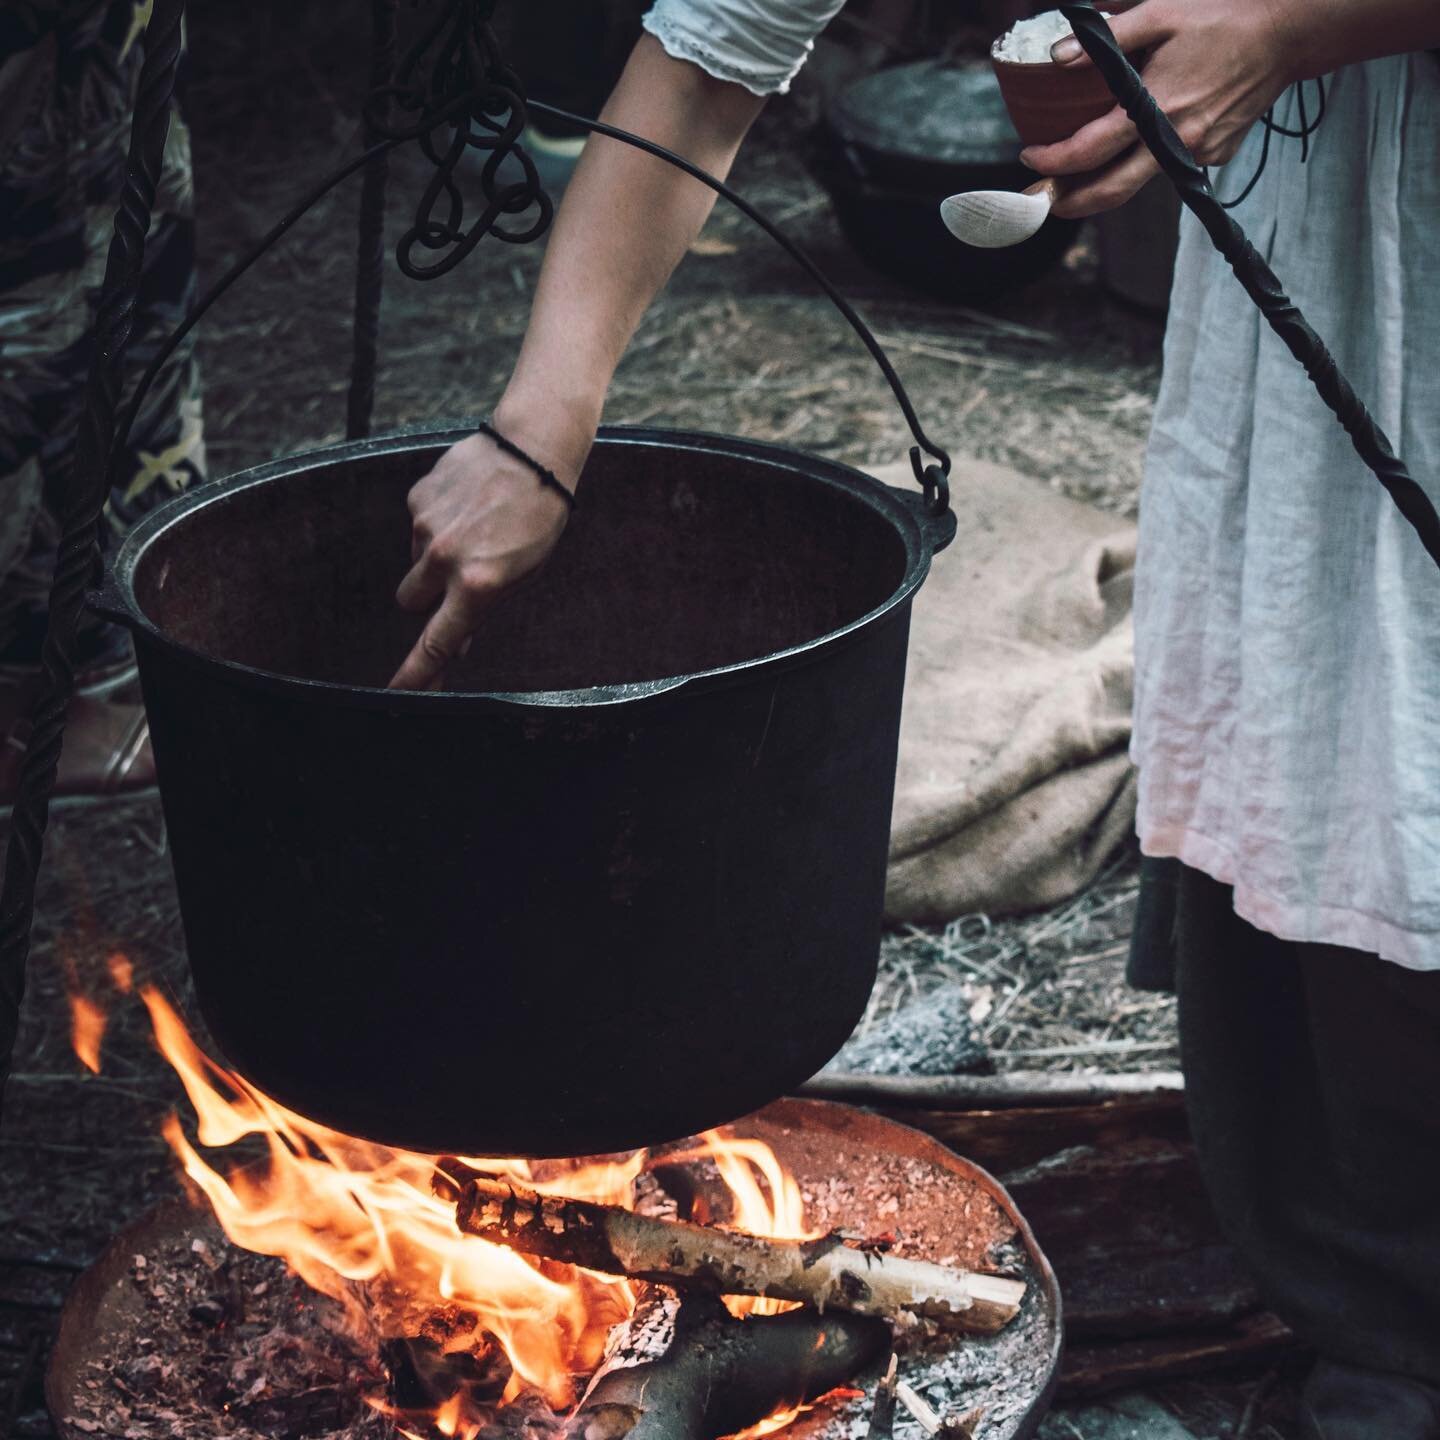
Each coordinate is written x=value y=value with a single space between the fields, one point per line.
x=858 y=1171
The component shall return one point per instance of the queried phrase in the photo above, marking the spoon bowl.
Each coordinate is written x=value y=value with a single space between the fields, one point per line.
x=994 y=219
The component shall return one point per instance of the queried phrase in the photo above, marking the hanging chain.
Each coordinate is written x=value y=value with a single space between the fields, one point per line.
x=454 y=92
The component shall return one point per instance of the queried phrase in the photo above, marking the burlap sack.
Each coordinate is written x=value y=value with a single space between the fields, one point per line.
x=1014 y=785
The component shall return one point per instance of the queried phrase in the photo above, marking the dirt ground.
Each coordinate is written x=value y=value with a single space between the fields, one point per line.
x=1056 y=380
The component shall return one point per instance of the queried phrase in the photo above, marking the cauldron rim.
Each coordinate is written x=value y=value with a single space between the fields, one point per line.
x=117 y=600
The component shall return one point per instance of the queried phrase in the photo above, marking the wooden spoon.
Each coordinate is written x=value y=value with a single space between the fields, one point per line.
x=993 y=219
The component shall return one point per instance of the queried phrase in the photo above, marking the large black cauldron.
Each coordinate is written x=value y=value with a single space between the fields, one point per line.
x=623 y=881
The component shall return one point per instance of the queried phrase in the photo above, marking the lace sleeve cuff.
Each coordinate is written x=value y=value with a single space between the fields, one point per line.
x=760 y=44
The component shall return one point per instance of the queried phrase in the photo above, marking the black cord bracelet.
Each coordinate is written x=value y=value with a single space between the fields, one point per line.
x=547 y=477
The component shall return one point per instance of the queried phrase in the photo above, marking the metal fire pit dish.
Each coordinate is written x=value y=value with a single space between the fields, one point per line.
x=857 y=1171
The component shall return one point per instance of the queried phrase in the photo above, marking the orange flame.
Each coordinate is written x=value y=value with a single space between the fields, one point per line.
x=780 y=1213
x=359 y=1222
x=87 y=1030
x=88 y=1017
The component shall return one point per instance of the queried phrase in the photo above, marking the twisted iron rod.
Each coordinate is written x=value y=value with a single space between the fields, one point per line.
x=79 y=509
x=1258 y=279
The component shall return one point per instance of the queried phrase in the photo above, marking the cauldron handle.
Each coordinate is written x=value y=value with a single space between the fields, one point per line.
x=937 y=526
x=929 y=461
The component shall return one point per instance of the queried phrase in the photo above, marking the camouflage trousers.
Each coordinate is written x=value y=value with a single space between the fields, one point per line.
x=68 y=70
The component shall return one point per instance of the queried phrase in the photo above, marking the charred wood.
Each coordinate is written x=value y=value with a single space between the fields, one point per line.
x=882 y=1416
x=1007 y=1140
x=946 y=1427
x=683 y=1368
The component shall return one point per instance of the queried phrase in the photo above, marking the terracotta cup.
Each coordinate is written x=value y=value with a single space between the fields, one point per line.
x=1049 y=102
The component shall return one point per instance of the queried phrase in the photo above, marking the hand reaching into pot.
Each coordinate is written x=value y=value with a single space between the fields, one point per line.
x=482 y=521
x=1216 y=66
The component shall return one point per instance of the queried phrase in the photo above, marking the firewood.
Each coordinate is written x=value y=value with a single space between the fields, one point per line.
x=683 y=1368
x=825 y=1273
x=945 y=1427
x=1101 y=1369
x=1019 y=1089
x=882 y=1416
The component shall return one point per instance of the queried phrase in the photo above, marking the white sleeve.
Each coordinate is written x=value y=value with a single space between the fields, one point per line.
x=759 y=44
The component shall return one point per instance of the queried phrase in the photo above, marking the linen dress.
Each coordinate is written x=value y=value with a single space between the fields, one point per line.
x=1287 y=711
x=1287 y=716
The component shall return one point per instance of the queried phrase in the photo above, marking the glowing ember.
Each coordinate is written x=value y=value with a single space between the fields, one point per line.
x=358 y=1222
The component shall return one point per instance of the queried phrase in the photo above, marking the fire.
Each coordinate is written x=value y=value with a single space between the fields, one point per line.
x=88 y=1017
x=780 y=1214
x=87 y=1030
x=359 y=1222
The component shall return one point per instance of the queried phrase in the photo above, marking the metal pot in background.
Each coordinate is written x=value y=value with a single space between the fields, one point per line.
x=1137 y=247
x=894 y=144
x=623 y=881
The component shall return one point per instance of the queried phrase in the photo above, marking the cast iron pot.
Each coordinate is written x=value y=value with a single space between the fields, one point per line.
x=623 y=880
x=894 y=144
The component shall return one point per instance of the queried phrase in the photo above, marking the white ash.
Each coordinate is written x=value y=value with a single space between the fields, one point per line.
x=1028 y=42
x=933 y=1034
x=1000 y=1374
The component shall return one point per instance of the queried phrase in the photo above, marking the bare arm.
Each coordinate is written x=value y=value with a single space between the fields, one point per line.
x=481 y=520
x=627 y=220
x=1216 y=66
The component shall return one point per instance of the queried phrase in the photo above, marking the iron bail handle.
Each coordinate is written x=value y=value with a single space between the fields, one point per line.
x=1254 y=274
x=932 y=474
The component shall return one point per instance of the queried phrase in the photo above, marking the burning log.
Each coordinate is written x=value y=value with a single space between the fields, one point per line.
x=683 y=1368
x=825 y=1273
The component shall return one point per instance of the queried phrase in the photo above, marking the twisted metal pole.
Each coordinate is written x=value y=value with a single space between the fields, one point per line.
x=1255 y=275
x=370 y=258
x=79 y=509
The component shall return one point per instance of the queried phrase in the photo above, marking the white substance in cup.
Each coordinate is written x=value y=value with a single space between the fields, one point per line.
x=1028 y=42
